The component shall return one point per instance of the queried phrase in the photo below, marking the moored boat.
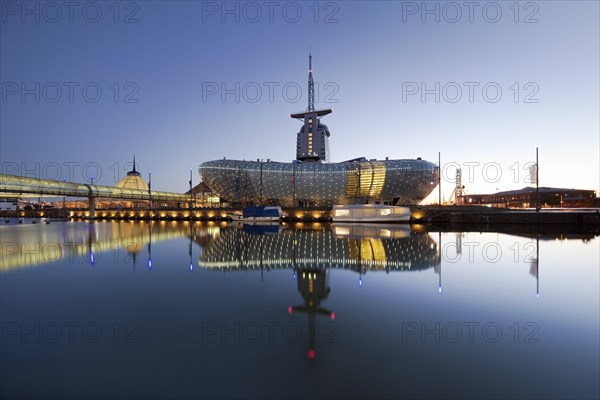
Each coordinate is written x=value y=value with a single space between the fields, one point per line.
x=259 y=214
x=370 y=213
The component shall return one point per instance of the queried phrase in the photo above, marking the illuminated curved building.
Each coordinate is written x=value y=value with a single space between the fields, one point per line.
x=320 y=184
x=312 y=181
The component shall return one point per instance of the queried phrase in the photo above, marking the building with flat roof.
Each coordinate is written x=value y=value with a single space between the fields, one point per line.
x=526 y=198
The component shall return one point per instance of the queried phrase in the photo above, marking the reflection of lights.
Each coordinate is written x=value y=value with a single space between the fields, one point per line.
x=439 y=289
x=92 y=258
x=289 y=309
x=294 y=276
x=360 y=282
x=332 y=315
x=537 y=295
x=311 y=353
x=191 y=267
x=149 y=263
x=342 y=231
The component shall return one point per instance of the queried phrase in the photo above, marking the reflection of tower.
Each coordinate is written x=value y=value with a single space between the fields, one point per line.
x=312 y=252
x=91 y=241
x=439 y=249
x=150 y=245
x=313 y=138
x=534 y=269
x=313 y=285
x=190 y=249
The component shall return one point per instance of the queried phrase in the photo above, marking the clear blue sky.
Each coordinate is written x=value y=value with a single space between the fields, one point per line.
x=369 y=59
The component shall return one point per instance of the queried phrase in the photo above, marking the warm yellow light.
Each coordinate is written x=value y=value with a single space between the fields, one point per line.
x=418 y=214
x=342 y=231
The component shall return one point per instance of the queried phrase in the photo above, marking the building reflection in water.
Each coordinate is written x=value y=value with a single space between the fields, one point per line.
x=24 y=246
x=313 y=285
x=356 y=247
x=312 y=251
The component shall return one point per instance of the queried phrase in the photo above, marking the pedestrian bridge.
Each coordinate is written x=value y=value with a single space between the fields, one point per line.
x=11 y=185
x=20 y=186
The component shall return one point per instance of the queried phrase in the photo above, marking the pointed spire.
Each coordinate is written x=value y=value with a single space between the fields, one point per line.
x=311 y=85
x=134 y=163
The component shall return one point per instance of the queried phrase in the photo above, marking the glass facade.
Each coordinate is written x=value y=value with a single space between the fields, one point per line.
x=320 y=184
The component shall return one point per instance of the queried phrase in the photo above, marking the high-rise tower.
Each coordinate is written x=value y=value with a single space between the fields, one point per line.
x=313 y=139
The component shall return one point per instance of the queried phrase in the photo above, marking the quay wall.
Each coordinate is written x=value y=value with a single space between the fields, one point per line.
x=419 y=214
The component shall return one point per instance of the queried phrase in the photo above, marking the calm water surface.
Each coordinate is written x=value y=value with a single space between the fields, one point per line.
x=180 y=310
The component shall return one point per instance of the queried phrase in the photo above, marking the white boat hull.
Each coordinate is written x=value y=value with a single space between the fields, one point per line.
x=375 y=219
x=370 y=213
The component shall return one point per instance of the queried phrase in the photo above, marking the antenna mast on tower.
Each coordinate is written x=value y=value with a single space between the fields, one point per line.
x=311 y=86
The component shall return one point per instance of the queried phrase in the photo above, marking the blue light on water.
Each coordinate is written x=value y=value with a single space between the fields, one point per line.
x=191 y=267
x=360 y=282
x=149 y=263
x=439 y=289
x=294 y=276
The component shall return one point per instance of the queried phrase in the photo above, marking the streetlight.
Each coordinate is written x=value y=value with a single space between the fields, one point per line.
x=92 y=203
x=191 y=194
x=150 y=189
x=64 y=208
x=537 y=182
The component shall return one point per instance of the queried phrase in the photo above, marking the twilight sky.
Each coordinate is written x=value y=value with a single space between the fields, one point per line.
x=87 y=85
